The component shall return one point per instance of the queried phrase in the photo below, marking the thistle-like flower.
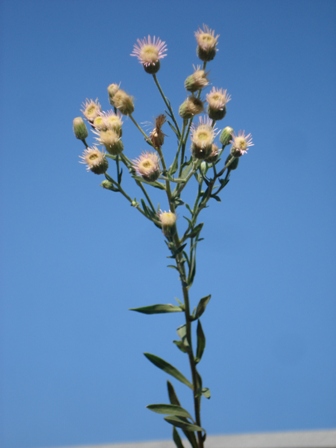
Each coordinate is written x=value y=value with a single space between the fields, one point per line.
x=113 y=121
x=149 y=51
x=168 y=220
x=206 y=43
x=111 y=140
x=157 y=136
x=190 y=107
x=240 y=143
x=95 y=160
x=91 y=109
x=197 y=80
x=148 y=166
x=217 y=99
x=121 y=101
x=202 y=137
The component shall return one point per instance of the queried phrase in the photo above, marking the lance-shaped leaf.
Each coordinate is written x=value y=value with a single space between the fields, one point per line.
x=172 y=394
x=177 y=439
x=182 y=346
x=195 y=232
x=200 y=342
x=202 y=304
x=158 y=309
x=168 y=368
x=180 y=423
x=169 y=409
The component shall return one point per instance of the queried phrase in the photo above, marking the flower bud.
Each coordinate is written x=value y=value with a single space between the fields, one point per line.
x=107 y=185
x=213 y=156
x=234 y=162
x=79 y=128
x=191 y=106
x=123 y=102
x=112 y=90
x=226 y=136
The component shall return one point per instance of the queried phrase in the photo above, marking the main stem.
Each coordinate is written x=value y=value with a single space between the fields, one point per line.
x=185 y=290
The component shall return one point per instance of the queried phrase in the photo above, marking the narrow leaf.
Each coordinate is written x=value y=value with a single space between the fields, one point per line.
x=218 y=199
x=169 y=409
x=158 y=309
x=206 y=392
x=168 y=368
x=200 y=341
x=172 y=394
x=202 y=304
x=177 y=438
x=182 y=346
x=180 y=423
x=195 y=231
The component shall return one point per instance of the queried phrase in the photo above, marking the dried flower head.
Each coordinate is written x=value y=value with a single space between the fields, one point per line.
x=111 y=140
x=202 y=137
x=197 y=80
x=157 y=136
x=95 y=160
x=217 y=99
x=148 y=166
x=206 y=41
x=91 y=109
x=240 y=143
x=149 y=51
x=190 y=107
x=79 y=128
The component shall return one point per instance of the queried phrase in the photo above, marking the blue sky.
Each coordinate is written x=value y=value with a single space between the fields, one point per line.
x=75 y=257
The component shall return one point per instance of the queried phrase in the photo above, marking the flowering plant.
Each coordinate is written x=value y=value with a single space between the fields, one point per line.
x=202 y=168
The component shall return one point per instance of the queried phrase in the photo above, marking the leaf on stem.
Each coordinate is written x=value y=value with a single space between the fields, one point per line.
x=172 y=394
x=180 y=423
x=168 y=368
x=158 y=309
x=200 y=342
x=177 y=439
x=169 y=409
x=206 y=392
x=202 y=304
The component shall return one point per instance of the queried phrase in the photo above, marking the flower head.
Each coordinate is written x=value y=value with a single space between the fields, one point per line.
x=148 y=166
x=113 y=121
x=168 y=220
x=149 y=51
x=197 y=80
x=206 y=41
x=95 y=160
x=217 y=99
x=91 y=109
x=190 y=107
x=202 y=137
x=122 y=101
x=111 y=140
x=240 y=143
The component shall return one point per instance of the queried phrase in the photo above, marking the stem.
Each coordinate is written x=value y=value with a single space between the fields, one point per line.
x=167 y=105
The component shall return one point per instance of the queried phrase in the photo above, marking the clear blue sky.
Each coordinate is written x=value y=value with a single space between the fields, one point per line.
x=75 y=258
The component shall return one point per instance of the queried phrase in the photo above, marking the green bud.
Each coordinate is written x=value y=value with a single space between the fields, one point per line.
x=226 y=136
x=80 y=129
x=233 y=165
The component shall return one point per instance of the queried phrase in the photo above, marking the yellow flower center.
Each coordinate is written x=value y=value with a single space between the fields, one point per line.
x=240 y=143
x=149 y=53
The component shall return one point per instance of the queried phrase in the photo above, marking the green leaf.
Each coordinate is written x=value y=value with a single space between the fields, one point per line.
x=158 y=309
x=180 y=423
x=202 y=304
x=168 y=368
x=206 y=392
x=177 y=438
x=200 y=342
x=195 y=231
x=172 y=394
x=169 y=409
x=218 y=199
x=182 y=346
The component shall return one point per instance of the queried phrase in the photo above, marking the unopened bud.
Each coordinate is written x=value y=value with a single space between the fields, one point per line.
x=123 y=102
x=168 y=220
x=79 y=128
x=226 y=136
x=233 y=162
